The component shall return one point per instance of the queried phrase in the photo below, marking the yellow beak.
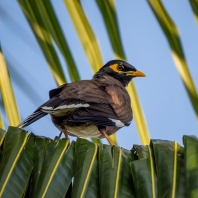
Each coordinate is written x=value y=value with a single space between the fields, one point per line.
x=135 y=73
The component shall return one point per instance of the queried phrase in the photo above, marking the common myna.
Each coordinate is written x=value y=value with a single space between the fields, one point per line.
x=91 y=108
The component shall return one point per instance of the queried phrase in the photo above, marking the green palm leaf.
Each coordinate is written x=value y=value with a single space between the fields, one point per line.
x=85 y=33
x=16 y=163
x=168 y=159
x=2 y=136
x=49 y=17
x=52 y=179
x=191 y=168
x=46 y=168
x=85 y=156
x=7 y=94
x=143 y=170
x=194 y=6
x=1 y=121
x=114 y=172
x=40 y=144
x=107 y=9
x=34 y=17
x=172 y=35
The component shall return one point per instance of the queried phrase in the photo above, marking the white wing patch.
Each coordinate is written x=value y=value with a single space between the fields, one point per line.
x=72 y=106
x=118 y=123
x=62 y=110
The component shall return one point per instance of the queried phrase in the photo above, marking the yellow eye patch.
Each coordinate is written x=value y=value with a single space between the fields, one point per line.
x=114 y=67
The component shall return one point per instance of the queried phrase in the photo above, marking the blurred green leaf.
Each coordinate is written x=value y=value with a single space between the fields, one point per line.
x=107 y=9
x=31 y=11
x=172 y=35
x=7 y=94
x=52 y=23
x=139 y=117
x=1 y=121
x=191 y=168
x=85 y=33
x=16 y=163
x=194 y=6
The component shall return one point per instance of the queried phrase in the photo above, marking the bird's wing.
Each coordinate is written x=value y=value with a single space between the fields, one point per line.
x=120 y=101
x=101 y=104
x=108 y=105
x=88 y=101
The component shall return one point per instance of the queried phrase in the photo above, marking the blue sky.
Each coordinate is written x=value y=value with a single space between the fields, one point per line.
x=166 y=106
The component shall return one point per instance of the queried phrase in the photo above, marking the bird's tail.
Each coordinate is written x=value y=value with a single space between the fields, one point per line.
x=32 y=118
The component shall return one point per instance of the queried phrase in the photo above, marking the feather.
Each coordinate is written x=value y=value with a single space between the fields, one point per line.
x=98 y=120
x=32 y=118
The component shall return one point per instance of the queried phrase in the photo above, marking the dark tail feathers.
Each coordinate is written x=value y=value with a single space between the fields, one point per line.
x=32 y=118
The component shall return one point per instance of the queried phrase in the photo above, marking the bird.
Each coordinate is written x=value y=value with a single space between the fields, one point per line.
x=95 y=108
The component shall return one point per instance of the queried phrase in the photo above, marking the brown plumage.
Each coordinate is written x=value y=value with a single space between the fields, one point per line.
x=91 y=108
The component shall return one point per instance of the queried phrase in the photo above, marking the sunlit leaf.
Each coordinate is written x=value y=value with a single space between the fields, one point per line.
x=172 y=35
x=139 y=117
x=107 y=9
x=7 y=94
x=85 y=33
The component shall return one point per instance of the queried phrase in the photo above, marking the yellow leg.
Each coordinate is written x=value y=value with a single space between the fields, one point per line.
x=107 y=137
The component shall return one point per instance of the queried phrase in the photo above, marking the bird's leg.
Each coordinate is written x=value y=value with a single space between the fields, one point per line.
x=65 y=132
x=103 y=132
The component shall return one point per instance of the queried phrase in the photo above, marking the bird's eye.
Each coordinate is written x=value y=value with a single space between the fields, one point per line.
x=120 y=67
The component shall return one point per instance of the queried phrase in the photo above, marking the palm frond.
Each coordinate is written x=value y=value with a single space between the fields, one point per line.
x=7 y=93
x=172 y=35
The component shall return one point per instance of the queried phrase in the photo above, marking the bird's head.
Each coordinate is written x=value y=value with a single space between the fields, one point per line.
x=120 y=70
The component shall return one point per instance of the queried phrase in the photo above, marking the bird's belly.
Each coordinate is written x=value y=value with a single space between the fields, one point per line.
x=84 y=131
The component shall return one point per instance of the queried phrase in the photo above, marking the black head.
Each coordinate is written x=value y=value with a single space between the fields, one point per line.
x=120 y=70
